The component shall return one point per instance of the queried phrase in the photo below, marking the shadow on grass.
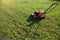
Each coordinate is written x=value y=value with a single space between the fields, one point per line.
x=32 y=21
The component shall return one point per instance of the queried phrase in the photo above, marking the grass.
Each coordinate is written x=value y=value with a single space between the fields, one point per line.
x=15 y=13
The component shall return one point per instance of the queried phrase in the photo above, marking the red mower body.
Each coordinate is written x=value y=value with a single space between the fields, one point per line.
x=39 y=14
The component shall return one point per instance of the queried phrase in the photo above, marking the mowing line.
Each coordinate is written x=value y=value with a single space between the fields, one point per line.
x=30 y=31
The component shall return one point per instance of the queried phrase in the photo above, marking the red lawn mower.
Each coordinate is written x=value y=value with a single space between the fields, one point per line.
x=41 y=14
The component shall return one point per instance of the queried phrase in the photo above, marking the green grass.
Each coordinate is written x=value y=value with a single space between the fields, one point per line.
x=15 y=13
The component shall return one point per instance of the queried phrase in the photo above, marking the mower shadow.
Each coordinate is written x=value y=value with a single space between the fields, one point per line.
x=32 y=21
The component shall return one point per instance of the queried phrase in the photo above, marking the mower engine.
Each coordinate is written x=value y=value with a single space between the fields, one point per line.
x=38 y=15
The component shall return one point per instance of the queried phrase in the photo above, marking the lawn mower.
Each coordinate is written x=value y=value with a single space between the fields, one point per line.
x=41 y=14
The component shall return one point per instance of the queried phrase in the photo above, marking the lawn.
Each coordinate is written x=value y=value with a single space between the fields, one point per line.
x=14 y=24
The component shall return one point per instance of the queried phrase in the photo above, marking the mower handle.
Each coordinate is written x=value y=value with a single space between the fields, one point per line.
x=53 y=5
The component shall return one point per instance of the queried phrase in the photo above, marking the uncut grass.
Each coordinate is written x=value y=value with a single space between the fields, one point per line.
x=44 y=31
